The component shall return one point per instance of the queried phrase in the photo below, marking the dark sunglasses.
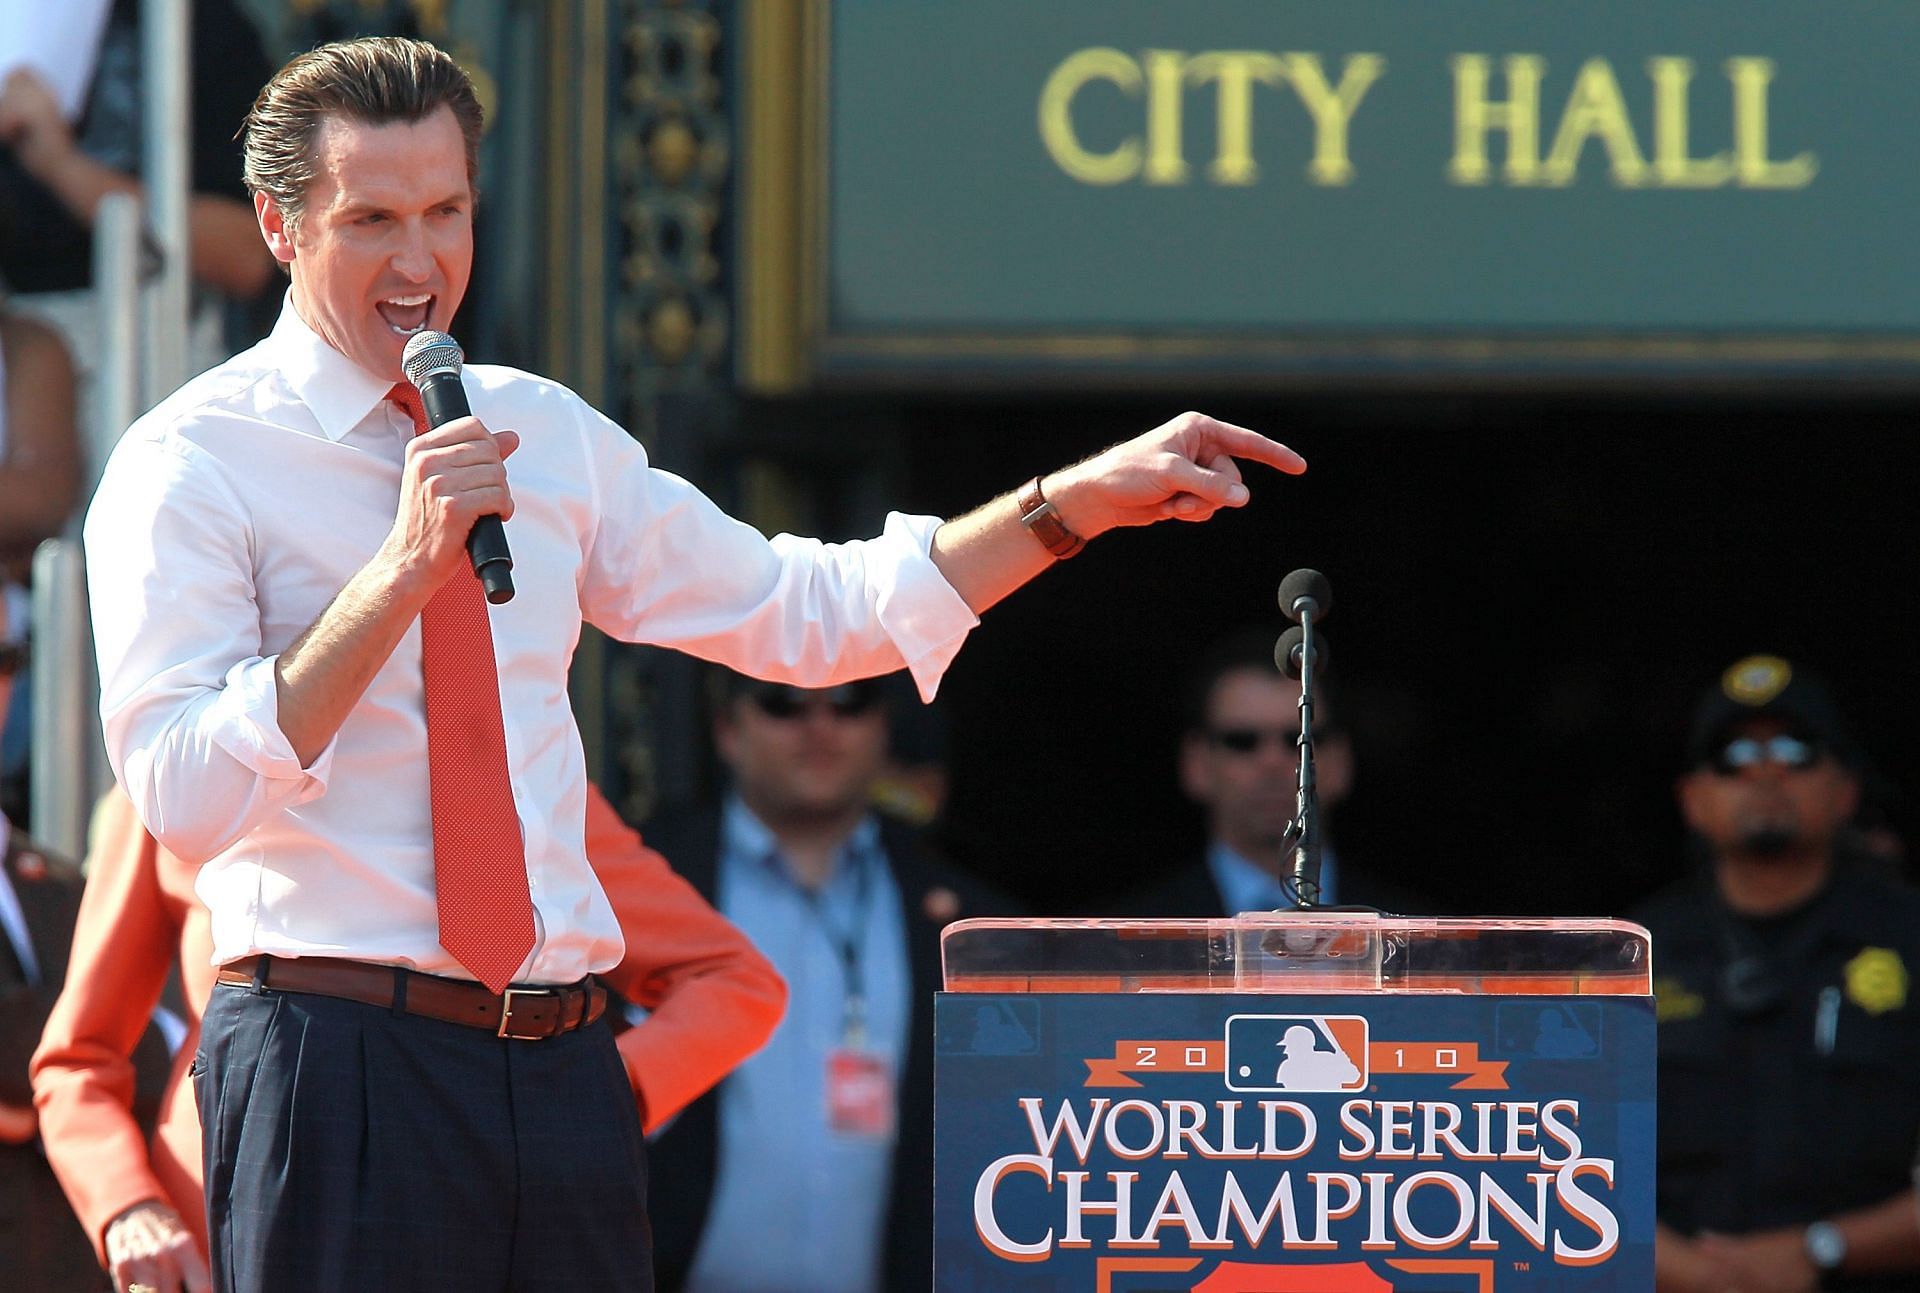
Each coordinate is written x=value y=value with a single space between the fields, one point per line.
x=791 y=702
x=1744 y=752
x=1245 y=740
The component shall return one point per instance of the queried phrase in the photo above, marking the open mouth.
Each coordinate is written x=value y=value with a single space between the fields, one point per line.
x=406 y=315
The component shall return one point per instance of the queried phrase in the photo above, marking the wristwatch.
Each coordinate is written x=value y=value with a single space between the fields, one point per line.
x=1043 y=520
x=1826 y=1246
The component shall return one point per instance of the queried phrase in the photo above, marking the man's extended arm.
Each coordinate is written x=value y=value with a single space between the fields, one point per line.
x=1184 y=470
x=668 y=568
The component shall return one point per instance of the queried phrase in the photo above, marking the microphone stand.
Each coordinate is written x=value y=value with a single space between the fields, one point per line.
x=1305 y=878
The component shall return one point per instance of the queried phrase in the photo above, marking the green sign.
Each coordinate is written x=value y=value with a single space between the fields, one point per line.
x=1274 y=184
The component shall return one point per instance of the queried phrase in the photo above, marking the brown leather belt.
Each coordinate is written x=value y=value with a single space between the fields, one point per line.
x=524 y=1014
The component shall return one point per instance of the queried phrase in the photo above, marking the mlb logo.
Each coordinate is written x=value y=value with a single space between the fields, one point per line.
x=1295 y=1053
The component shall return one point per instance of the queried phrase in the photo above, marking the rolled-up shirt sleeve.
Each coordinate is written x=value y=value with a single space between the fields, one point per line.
x=667 y=567
x=187 y=698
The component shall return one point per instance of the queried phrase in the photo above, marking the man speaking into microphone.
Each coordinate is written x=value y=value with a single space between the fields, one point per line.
x=406 y=1080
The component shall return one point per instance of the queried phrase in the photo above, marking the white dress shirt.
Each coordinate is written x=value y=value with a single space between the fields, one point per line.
x=231 y=515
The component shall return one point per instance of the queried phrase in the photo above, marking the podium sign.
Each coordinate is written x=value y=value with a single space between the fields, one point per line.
x=1294 y=1142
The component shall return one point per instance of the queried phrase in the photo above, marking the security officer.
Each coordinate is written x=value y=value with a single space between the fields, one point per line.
x=1789 y=1049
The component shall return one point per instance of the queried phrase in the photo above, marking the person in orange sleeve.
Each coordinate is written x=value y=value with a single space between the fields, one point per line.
x=712 y=1000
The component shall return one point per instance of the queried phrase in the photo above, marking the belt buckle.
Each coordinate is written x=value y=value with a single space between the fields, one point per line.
x=506 y=1013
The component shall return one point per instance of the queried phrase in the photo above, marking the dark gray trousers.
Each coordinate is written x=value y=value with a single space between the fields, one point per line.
x=353 y=1147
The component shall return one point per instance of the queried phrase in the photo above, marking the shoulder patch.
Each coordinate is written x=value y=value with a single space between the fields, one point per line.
x=1674 y=1002
x=1877 y=980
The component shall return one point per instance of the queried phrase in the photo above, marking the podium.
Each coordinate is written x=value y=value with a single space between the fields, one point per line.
x=1294 y=1102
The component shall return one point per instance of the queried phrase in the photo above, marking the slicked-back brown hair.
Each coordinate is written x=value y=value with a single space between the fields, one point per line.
x=374 y=80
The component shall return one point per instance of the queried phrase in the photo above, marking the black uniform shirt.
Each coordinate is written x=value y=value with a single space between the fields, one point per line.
x=1789 y=1067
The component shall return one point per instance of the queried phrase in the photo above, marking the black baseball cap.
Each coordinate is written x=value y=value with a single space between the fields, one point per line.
x=1769 y=686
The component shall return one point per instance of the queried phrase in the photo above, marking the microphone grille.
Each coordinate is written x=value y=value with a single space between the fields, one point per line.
x=1287 y=652
x=1306 y=583
x=1284 y=657
x=428 y=353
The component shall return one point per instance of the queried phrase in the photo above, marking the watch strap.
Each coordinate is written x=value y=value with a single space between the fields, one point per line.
x=1043 y=520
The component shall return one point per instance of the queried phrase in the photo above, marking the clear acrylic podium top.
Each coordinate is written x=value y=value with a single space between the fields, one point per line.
x=1318 y=951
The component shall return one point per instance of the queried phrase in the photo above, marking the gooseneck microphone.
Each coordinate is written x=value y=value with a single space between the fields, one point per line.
x=1305 y=593
x=1290 y=652
x=1305 y=596
x=432 y=362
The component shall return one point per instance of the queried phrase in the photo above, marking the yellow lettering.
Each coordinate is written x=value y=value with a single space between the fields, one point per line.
x=1056 y=116
x=1751 y=77
x=1332 y=109
x=1673 y=168
x=1166 y=70
x=1595 y=110
x=1474 y=115
x=1236 y=71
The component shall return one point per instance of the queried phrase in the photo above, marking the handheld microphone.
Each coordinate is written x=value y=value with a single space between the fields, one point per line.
x=432 y=362
x=1305 y=596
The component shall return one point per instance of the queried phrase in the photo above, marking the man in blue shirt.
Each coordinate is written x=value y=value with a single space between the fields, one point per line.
x=1240 y=762
x=811 y=1167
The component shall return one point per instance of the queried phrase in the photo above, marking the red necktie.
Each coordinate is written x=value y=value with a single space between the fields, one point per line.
x=479 y=862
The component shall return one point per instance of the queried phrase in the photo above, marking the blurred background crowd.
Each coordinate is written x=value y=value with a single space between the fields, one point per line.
x=1578 y=445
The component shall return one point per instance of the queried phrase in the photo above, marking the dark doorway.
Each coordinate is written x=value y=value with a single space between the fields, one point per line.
x=1529 y=593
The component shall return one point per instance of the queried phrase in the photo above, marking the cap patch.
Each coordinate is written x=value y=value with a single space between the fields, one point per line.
x=1756 y=680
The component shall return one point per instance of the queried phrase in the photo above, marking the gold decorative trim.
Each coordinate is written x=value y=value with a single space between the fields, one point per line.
x=815 y=185
x=1393 y=347
x=560 y=227
x=591 y=321
x=771 y=359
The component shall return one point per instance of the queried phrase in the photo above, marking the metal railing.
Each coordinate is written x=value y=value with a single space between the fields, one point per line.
x=68 y=757
x=166 y=83
x=137 y=366
x=116 y=284
x=65 y=722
